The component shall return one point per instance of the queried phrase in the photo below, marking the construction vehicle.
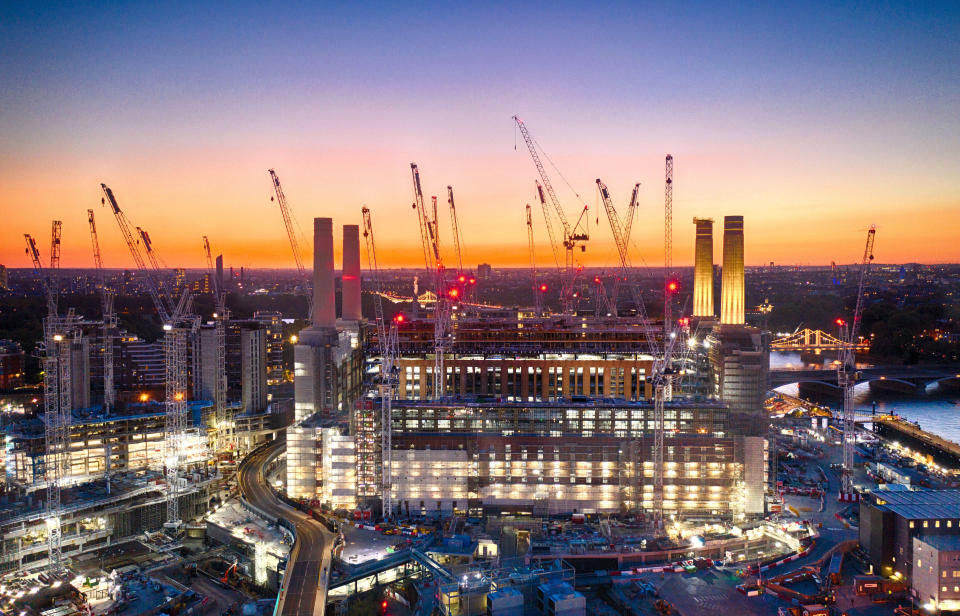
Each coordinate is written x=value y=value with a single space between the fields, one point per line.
x=226 y=574
x=663 y=606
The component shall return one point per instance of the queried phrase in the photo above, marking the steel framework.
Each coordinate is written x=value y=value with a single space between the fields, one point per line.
x=59 y=332
x=388 y=380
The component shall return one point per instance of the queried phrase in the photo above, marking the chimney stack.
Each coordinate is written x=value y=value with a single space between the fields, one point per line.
x=324 y=299
x=703 y=268
x=351 y=273
x=732 y=289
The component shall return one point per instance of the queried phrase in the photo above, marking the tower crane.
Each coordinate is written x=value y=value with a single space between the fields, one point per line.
x=220 y=317
x=662 y=373
x=538 y=301
x=109 y=318
x=456 y=229
x=668 y=246
x=58 y=333
x=847 y=370
x=573 y=236
x=387 y=341
x=154 y=260
x=466 y=283
x=178 y=325
x=430 y=236
x=291 y=233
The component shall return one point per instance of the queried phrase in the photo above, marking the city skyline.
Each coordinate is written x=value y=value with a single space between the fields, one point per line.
x=812 y=123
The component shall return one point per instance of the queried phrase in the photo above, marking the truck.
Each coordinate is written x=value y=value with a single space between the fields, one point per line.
x=867 y=585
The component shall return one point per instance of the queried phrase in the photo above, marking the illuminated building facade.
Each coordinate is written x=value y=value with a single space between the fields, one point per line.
x=591 y=455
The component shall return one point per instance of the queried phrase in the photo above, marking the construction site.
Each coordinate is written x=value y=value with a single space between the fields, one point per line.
x=522 y=451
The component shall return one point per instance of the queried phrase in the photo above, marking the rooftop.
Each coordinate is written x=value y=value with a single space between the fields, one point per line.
x=920 y=504
x=942 y=543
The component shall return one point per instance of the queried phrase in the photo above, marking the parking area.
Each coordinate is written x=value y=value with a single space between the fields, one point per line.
x=363 y=545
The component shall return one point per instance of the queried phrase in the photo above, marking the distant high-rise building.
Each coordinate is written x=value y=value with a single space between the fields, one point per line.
x=4 y=279
x=220 y=272
x=253 y=367
x=273 y=322
x=203 y=284
x=703 y=268
x=732 y=289
x=246 y=363
x=11 y=364
x=179 y=278
x=484 y=271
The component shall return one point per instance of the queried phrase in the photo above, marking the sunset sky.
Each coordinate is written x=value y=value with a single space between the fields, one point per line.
x=813 y=121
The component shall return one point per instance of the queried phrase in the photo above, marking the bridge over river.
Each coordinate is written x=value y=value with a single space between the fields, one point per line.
x=894 y=379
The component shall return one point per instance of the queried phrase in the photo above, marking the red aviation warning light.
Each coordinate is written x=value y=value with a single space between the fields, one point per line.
x=840 y=322
x=684 y=322
x=462 y=279
x=596 y=279
x=672 y=286
x=399 y=318
x=453 y=293
x=473 y=281
x=544 y=288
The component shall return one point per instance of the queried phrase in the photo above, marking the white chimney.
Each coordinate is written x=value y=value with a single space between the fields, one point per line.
x=351 y=273
x=324 y=300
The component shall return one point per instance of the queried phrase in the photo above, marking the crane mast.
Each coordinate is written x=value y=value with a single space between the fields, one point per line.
x=429 y=235
x=177 y=326
x=847 y=371
x=387 y=384
x=538 y=302
x=58 y=333
x=456 y=229
x=219 y=320
x=668 y=246
x=109 y=318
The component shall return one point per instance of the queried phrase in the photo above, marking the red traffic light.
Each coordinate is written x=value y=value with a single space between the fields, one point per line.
x=683 y=322
x=596 y=279
x=383 y=605
x=543 y=288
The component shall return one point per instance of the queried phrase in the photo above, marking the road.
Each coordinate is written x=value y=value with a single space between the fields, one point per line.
x=304 y=591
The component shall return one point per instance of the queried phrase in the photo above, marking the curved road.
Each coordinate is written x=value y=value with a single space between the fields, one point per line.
x=304 y=589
